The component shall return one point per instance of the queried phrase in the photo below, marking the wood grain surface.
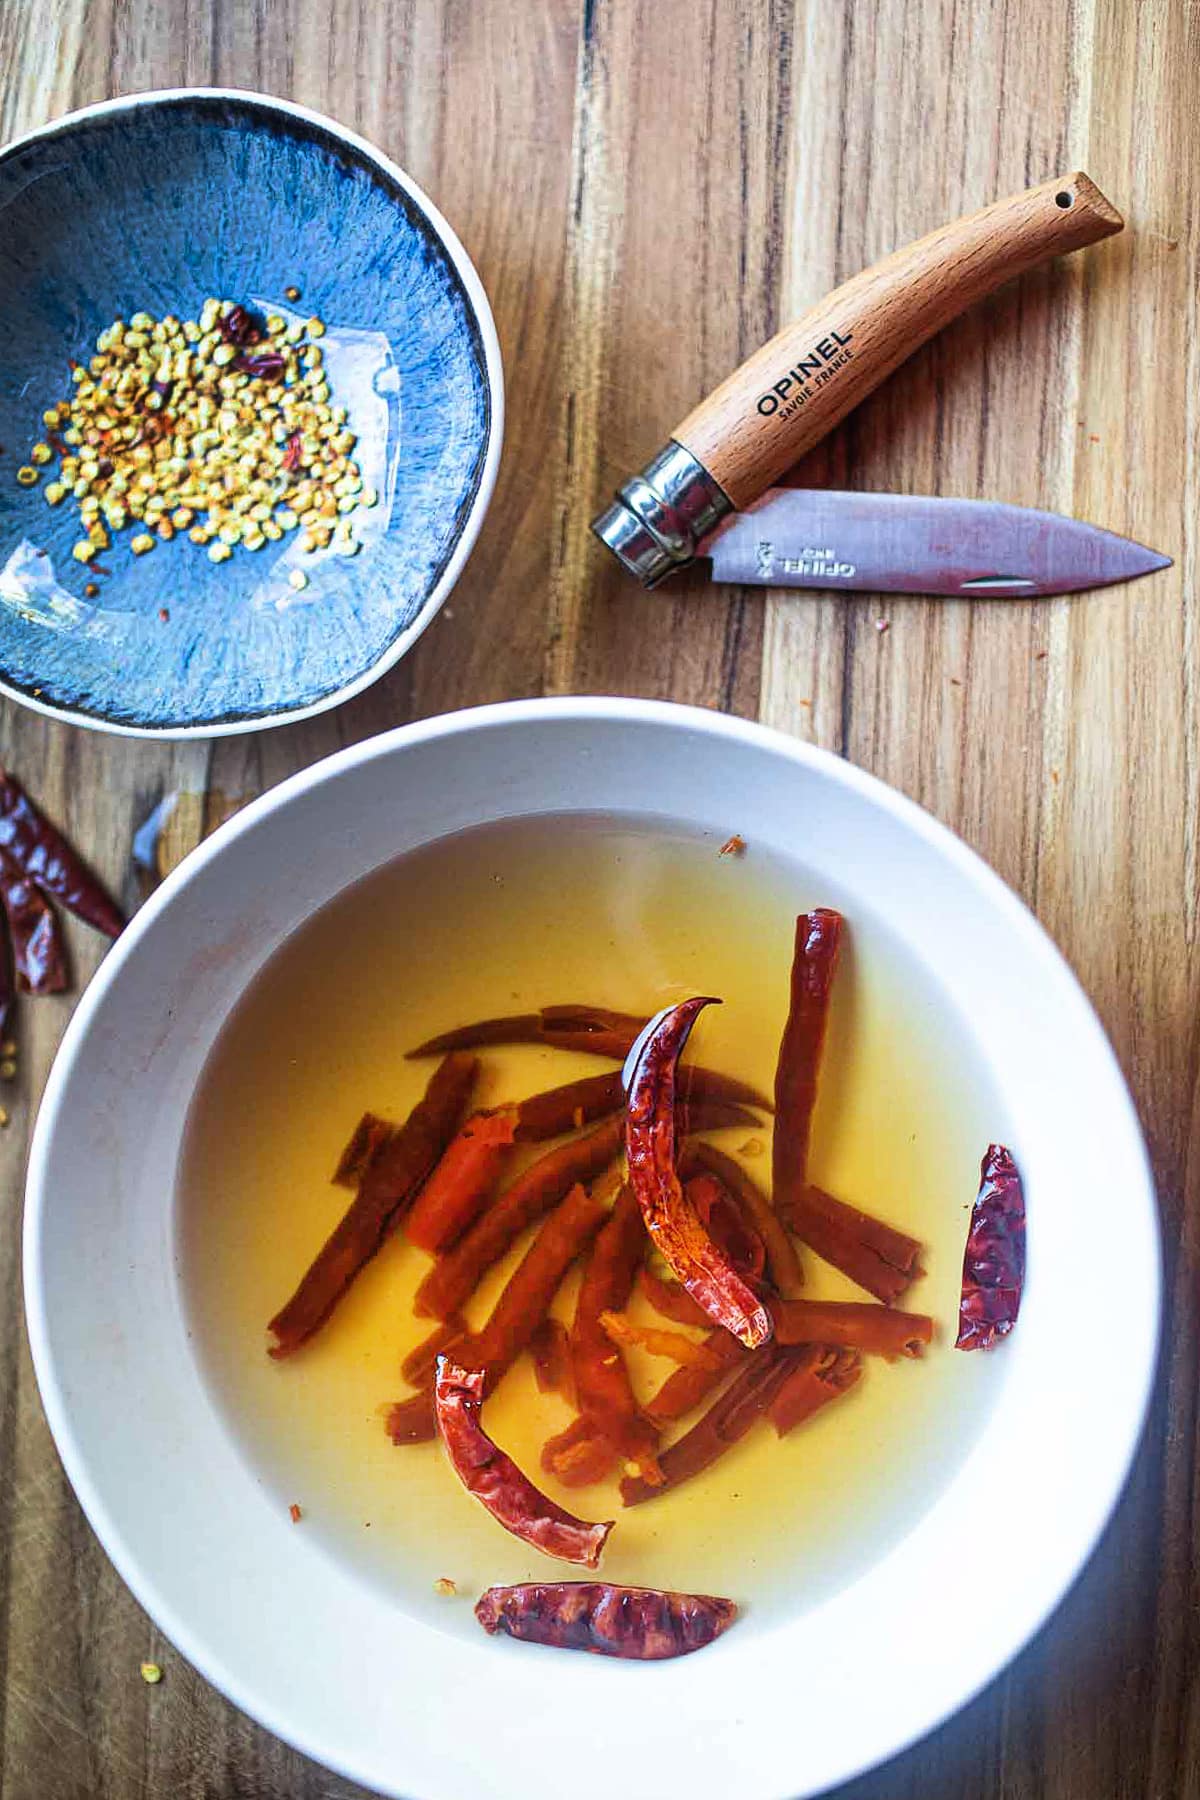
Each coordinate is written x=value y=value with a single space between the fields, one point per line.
x=649 y=188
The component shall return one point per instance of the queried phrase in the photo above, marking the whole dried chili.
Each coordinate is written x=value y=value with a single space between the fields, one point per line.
x=454 y=1277
x=595 y=1029
x=820 y=1376
x=642 y=1624
x=44 y=854
x=994 y=1260
x=818 y=938
x=783 y=1265
x=516 y=1315
x=878 y=1330
x=729 y=1418
x=462 y=1183
x=38 y=951
x=496 y=1481
x=602 y=1384
x=703 y=1268
x=877 y=1256
x=384 y=1193
x=370 y=1135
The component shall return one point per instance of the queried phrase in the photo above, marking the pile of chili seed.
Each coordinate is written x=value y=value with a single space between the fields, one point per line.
x=222 y=427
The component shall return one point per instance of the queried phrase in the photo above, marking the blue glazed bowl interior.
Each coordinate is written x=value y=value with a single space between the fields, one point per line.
x=153 y=208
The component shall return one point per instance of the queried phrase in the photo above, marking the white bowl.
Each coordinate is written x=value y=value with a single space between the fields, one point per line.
x=308 y=1646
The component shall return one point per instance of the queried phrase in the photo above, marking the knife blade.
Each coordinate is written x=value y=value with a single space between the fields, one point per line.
x=918 y=544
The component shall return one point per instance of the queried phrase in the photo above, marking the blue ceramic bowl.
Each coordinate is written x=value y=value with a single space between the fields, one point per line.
x=151 y=204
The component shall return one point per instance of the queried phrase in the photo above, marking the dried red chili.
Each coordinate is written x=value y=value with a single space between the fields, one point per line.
x=38 y=952
x=463 y=1181
x=45 y=855
x=496 y=1481
x=370 y=1135
x=818 y=937
x=994 y=1261
x=703 y=1268
x=290 y=460
x=783 y=1265
x=454 y=1277
x=746 y=1399
x=267 y=367
x=386 y=1190
x=821 y=1376
x=525 y=1301
x=643 y=1624
x=879 y=1330
x=602 y=1384
x=596 y=1029
x=877 y=1256
x=720 y=1216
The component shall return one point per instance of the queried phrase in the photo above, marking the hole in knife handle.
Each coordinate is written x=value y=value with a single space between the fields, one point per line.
x=1063 y=199
x=982 y=584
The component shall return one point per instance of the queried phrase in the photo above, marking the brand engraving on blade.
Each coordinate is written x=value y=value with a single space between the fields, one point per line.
x=820 y=563
x=798 y=384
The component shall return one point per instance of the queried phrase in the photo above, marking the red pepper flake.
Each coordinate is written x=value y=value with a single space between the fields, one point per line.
x=267 y=367
x=994 y=1260
x=733 y=846
x=294 y=1513
x=291 y=456
x=1041 y=656
x=164 y=615
x=91 y=589
x=882 y=625
x=239 y=326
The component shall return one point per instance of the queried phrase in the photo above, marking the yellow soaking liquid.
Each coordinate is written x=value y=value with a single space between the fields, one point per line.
x=631 y=914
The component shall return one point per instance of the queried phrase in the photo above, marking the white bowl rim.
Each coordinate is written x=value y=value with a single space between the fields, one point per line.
x=1145 y=1331
x=493 y=366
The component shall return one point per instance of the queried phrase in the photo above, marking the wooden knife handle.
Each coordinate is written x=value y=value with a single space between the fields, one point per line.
x=794 y=390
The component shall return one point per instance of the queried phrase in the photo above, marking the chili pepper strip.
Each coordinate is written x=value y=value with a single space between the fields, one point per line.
x=683 y=1390
x=379 y=1205
x=817 y=1379
x=569 y=1027
x=463 y=1181
x=38 y=952
x=642 y=1624
x=853 y=1325
x=578 y=1103
x=783 y=1264
x=39 y=848
x=994 y=1260
x=670 y=1298
x=579 y=1456
x=370 y=1135
x=726 y=1225
x=818 y=938
x=729 y=1418
x=601 y=1379
x=670 y=1219
x=419 y=1366
x=879 y=1258
x=551 y=1349
x=496 y=1481
x=516 y=1315
x=454 y=1277
x=672 y=1345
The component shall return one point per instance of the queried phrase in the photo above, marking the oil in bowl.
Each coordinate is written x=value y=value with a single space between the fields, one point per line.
x=631 y=913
